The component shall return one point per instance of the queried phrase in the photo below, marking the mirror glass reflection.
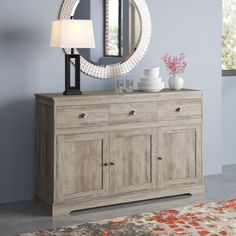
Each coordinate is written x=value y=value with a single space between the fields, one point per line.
x=117 y=30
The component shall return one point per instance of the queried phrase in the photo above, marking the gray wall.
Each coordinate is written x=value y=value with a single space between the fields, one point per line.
x=28 y=66
x=229 y=120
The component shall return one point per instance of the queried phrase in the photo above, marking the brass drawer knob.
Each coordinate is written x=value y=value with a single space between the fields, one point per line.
x=112 y=163
x=179 y=109
x=83 y=116
x=159 y=158
x=106 y=164
x=133 y=113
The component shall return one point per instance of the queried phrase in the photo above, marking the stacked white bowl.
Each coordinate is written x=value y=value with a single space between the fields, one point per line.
x=151 y=82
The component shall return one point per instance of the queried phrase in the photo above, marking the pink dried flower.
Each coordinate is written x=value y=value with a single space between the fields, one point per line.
x=175 y=65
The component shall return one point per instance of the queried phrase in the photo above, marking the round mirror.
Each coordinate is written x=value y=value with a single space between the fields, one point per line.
x=122 y=30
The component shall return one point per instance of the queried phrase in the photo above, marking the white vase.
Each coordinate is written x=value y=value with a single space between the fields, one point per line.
x=176 y=82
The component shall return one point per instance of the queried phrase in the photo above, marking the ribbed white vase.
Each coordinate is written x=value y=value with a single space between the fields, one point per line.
x=176 y=82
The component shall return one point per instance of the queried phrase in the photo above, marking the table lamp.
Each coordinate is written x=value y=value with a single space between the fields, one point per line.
x=71 y=34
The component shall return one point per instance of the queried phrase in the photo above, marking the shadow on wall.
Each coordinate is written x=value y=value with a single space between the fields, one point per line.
x=19 y=46
x=21 y=50
x=18 y=36
x=17 y=150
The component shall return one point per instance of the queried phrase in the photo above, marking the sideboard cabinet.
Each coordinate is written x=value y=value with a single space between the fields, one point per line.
x=104 y=148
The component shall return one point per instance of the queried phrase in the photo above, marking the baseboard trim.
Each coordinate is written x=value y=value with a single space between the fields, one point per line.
x=69 y=206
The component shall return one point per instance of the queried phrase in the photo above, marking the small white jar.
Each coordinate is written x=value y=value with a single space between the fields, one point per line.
x=176 y=82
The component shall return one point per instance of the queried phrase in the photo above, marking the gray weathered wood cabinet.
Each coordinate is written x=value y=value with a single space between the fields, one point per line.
x=104 y=148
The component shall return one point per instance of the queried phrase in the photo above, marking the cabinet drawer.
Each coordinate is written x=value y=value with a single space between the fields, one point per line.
x=133 y=113
x=170 y=110
x=74 y=116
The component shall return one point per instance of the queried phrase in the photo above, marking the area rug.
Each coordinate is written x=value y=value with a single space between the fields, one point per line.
x=213 y=219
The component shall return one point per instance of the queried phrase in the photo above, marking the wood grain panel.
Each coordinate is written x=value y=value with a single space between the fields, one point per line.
x=190 y=109
x=66 y=207
x=110 y=97
x=72 y=116
x=81 y=163
x=131 y=152
x=179 y=156
x=44 y=151
x=122 y=113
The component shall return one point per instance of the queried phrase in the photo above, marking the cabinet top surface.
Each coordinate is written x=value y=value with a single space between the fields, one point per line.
x=59 y=96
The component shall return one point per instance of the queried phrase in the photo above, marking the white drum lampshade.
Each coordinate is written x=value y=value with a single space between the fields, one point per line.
x=72 y=34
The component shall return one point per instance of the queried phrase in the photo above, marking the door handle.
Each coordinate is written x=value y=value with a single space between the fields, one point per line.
x=133 y=113
x=83 y=115
x=179 y=109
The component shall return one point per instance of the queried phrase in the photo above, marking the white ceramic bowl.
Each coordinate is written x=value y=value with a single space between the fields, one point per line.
x=150 y=85
x=151 y=80
x=151 y=72
x=151 y=88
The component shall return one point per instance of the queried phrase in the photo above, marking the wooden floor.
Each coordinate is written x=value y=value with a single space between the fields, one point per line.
x=22 y=217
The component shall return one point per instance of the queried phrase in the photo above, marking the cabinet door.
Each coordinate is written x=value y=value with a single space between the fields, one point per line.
x=179 y=160
x=81 y=166
x=131 y=160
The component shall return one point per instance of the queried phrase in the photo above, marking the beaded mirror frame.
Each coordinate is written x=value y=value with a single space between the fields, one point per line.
x=115 y=70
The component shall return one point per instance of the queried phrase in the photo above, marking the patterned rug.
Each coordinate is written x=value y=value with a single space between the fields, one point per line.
x=214 y=219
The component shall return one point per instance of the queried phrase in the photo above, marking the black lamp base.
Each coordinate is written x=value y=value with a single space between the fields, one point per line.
x=72 y=90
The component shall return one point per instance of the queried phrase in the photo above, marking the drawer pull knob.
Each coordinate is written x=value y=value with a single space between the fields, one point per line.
x=159 y=158
x=179 y=109
x=112 y=163
x=106 y=164
x=133 y=113
x=83 y=116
